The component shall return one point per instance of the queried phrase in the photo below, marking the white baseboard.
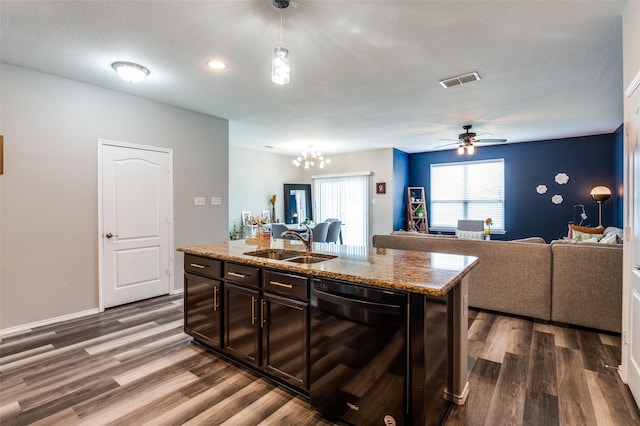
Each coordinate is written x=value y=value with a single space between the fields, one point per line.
x=177 y=291
x=26 y=327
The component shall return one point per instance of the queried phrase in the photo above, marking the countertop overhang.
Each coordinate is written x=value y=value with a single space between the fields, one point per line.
x=433 y=274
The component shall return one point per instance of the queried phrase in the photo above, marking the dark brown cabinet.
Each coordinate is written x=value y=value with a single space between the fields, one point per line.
x=285 y=334
x=258 y=317
x=242 y=323
x=202 y=300
x=285 y=338
x=202 y=309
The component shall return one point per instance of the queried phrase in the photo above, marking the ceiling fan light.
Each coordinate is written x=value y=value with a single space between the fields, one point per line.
x=128 y=71
x=461 y=149
x=470 y=149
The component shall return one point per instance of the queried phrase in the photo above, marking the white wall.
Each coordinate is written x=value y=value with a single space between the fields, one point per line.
x=48 y=192
x=255 y=175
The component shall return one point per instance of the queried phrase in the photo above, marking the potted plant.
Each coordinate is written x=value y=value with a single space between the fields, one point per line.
x=420 y=211
x=413 y=197
x=234 y=234
x=487 y=232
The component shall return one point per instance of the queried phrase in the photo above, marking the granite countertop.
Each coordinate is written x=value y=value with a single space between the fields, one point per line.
x=433 y=274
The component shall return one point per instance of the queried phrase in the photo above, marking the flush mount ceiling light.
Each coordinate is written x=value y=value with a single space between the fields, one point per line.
x=133 y=73
x=280 y=58
x=310 y=158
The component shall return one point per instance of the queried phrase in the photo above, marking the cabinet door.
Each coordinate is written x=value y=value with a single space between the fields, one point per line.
x=242 y=323
x=202 y=309
x=286 y=339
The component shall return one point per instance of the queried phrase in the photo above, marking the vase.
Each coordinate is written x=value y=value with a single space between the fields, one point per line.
x=273 y=214
x=487 y=237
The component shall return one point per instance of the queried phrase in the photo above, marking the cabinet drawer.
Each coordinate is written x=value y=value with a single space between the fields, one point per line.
x=242 y=274
x=203 y=266
x=286 y=284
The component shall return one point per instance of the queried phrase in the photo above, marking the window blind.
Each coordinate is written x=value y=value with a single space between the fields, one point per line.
x=467 y=190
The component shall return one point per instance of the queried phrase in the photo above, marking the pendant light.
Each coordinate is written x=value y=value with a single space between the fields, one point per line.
x=280 y=59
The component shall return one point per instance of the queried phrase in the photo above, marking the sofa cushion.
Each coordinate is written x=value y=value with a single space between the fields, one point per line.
x=587 y=285
x=584 y=230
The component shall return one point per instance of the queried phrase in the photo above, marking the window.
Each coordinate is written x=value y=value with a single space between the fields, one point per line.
x=344 y=197
x=467 y=190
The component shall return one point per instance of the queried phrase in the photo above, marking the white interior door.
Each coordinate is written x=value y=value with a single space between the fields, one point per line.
x=136 y=222
x=632 y=299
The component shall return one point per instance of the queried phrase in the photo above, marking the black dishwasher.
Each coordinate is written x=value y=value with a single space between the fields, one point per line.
x=358 y=353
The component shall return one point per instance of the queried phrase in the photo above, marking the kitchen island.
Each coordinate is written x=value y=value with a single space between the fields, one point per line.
x=368 y=334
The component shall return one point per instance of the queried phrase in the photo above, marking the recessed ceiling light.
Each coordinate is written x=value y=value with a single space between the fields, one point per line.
x=217 y=65
x=133 y=73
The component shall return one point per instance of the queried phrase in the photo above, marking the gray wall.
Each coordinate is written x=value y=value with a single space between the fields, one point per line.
x=49 y=197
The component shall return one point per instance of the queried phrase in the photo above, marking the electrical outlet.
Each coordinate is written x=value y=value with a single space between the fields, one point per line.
x=216 y=201
x=198 y=201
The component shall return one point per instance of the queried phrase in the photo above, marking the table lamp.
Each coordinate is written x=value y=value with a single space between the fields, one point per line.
x=600 y=194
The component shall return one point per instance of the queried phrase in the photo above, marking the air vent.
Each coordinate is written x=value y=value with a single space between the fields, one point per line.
x=461 y=79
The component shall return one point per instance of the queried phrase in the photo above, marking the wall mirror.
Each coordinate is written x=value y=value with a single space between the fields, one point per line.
x=297 y=203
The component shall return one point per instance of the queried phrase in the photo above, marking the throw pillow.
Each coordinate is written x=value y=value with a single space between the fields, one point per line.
x=586 y=236
x=609 y=239
x=584 y=230
x=470 y=235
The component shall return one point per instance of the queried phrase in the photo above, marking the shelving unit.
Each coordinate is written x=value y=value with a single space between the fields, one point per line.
x=416 y=203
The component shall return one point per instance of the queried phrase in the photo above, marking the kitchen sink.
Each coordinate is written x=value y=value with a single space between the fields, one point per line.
x=311 y=258
x=291 y=256
x=274 y=254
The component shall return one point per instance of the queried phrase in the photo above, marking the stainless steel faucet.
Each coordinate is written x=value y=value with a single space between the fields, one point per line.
x=307 y=241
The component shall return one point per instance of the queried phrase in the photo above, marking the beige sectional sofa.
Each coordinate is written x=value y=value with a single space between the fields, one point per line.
x=579 y=284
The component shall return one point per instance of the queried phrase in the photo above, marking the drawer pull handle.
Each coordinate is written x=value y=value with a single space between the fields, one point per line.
x=234 y=274
x=279 y=284
x=215 y=299
x=195 y=265
x=262 y=320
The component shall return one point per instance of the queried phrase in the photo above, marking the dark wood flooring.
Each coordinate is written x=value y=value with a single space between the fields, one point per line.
x=132 y=365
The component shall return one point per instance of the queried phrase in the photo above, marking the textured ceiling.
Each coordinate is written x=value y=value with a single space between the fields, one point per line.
x=364 y=74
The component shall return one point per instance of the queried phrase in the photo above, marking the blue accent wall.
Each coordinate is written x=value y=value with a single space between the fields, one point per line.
x=588 y=161
x=618 y=178
x=400 y=183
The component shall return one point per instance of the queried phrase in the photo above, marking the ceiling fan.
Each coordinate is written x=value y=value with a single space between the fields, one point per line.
x=466 y=141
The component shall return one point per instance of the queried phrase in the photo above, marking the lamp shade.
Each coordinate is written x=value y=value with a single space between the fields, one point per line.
x=600 y=193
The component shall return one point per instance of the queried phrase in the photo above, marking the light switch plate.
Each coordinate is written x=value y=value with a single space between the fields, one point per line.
x=198 y=201
x=216 y=201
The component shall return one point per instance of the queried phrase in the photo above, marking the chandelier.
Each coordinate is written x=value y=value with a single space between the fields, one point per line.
x=310 y=159
x=280 y=59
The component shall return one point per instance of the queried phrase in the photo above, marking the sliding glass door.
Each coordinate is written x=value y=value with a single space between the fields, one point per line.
x=344 y=197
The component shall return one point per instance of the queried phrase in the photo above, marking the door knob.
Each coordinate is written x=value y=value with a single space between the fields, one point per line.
x=109 y=235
